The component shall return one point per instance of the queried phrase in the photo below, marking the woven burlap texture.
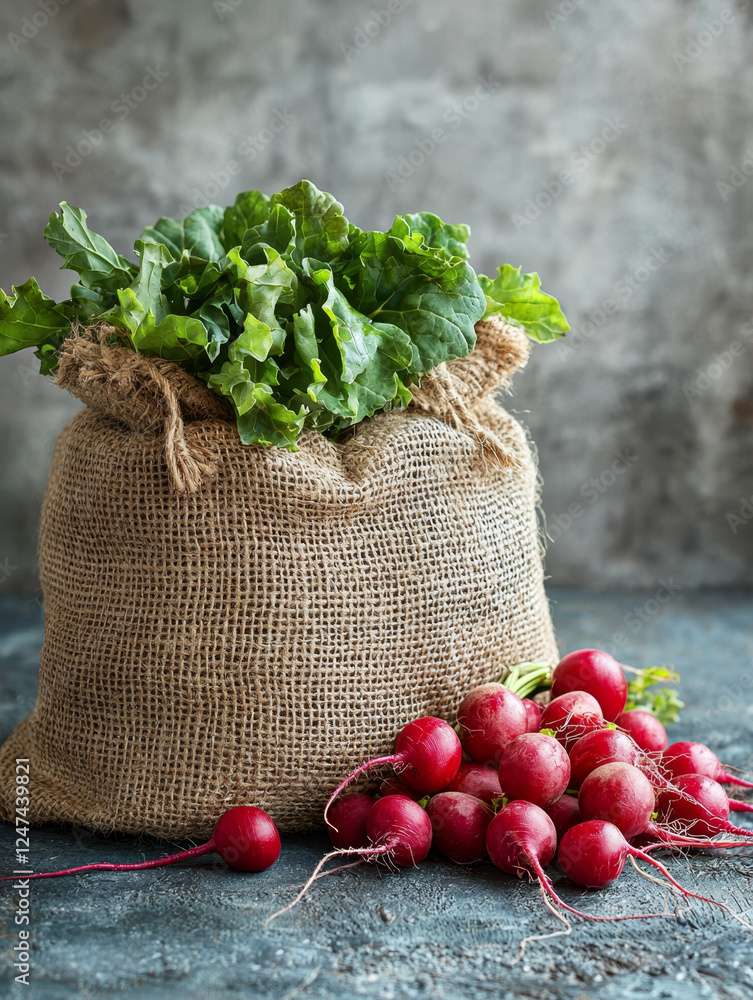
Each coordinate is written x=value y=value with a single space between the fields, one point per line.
x=228 y=624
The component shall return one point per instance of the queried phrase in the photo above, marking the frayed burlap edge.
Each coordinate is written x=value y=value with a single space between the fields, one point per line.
x=155 y=396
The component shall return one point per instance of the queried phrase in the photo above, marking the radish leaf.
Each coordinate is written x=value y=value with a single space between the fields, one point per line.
x=518 y=298
x=299 y=318
x=86 y=252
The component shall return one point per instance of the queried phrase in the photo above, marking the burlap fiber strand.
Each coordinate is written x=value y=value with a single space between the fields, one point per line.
x=228 y=624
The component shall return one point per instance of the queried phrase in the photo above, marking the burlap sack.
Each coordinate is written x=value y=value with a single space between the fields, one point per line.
x=228 y=624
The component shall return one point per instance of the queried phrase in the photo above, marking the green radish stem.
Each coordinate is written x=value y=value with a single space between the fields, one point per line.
x=524 y=678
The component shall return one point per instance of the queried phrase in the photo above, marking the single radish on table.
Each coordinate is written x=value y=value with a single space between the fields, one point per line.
x=564 y=813
x=698 y=805
x=598 y=674
x=593 y=854
x=603 y=746
x=490 y=716
x=572 y=716
x=695 y=758
x=401 y=829
x=459 y=823
x=245 y=837
x=534 y=767
x=644 y=728
x=426 y=758
x=478 y=780
x=399 y=833
x=521 y=839
x=348 y=818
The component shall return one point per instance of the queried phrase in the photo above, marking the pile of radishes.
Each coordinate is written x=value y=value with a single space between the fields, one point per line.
x=519 y=780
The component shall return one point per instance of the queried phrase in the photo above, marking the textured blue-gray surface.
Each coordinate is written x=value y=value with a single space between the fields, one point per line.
x=438 y=931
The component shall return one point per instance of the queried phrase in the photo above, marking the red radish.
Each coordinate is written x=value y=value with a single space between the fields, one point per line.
x=245 y=837
x=478 y=780
x=604 y=746
x=521 y=840
x=459 y=823
x=644 y=728
x=427 y=756
x=533 y=713
x=564 y=813
x=348 y=820
x=699 y=805
x=534 y=767
x=394 y=786
x=398 y=830
x=593 y=855
x=695 y=758
x=491 y=716
x=402 y=827
x=620 y=794
x=595 y=672
x=572 y=716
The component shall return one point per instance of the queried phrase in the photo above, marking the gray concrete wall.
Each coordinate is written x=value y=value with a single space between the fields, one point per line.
x=644 y=430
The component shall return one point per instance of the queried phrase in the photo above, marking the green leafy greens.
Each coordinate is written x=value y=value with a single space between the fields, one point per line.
x=519 y=296
x=281 y=305
x=664 y=703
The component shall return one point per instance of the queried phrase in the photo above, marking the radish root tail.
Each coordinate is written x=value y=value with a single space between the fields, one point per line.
x=351 y=777
x=549 y=888
x=108 y=866
x=636 y=853
x=318 y=873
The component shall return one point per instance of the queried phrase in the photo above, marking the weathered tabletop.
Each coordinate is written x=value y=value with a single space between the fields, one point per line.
x=438 y=931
